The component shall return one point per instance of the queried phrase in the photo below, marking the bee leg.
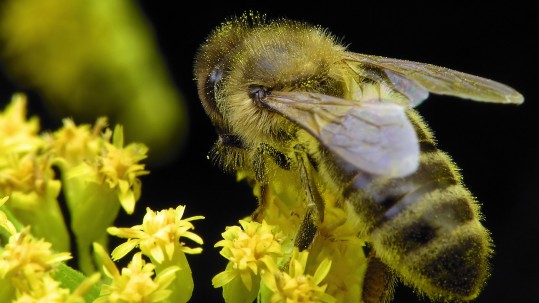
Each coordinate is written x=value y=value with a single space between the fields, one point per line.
x=307 y=231
x=258 y=214
x=379 y=281
x=259 y=165
x=315 y=205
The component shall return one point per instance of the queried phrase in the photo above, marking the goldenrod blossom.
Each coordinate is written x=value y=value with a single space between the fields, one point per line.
x=159 y=235
x=27 y=177
x=297 y=286
x=337 y=241
x=17 y=134
x=134 y=284
x=74 y=144
x=48 y=290
x=121 y=169
x=25 y=261
x=21 y=168
x=98 y=177
x=250 y=249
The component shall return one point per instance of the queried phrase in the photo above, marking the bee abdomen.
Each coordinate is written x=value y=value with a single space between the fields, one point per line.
x=457 y=267
x=434 y=214
x=386 y=197
x=437 y=244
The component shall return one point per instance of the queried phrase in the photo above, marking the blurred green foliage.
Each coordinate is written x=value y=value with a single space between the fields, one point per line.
x=95 y=58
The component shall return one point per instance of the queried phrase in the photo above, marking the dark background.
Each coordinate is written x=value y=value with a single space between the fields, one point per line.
x=494 y=145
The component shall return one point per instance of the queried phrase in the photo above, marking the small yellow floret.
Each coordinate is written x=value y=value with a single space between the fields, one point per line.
x=159 y=236
x=297 y=286
x=17 y=134
x=135 y=283
x=250 y=249
x=24 y=260
x=74 y=144
x=121 y=168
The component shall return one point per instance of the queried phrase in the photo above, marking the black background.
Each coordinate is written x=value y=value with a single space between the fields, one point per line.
x=494 y=145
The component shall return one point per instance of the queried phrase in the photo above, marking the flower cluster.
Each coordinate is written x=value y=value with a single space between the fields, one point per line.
x=160 y=239
x=264 y=264
x=28 y=267
x=99 y=175
x=134 y=283
x=251 y=249
x=297 y=285
x=27 y=177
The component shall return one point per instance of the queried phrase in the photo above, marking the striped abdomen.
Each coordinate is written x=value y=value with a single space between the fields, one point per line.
x=425 y=226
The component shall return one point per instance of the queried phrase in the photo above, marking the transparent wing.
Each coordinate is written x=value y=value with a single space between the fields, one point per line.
x=373 y=136
x=416 y=79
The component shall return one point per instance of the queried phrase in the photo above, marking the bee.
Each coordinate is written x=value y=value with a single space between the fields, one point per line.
x=288 y=99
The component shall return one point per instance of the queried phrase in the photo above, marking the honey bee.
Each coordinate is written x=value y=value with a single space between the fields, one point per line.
x=286 y=97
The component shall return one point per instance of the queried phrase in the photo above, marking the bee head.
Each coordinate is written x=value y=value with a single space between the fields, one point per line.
x=247 y=58
x=211 y=64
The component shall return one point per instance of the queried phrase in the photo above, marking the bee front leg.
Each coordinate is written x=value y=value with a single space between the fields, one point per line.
x=315 y=204
x=259 y=163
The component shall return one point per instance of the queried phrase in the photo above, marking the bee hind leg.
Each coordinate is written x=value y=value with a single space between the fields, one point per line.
x=315 y=204
x=379 y=281
x=307 y=231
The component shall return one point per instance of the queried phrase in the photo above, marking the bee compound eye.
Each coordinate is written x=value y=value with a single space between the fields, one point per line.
x=212 y=80
x=216 y=74
x=258 y=93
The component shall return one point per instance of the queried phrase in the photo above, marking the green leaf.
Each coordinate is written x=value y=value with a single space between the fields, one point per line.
x=71 y=279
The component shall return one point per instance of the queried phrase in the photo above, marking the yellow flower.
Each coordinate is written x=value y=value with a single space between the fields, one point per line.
x=17 y=134
x=337 y=241
x=159 y=236
x=121 y=169
x=74 y=144
x=250 y=249
x=101 y=162
x=22 y=168
x=135 y=283
x=48 y=290
x=27 y=177
x=297 y=286
x=349 y=265
x=98 y=176
x=25 y=261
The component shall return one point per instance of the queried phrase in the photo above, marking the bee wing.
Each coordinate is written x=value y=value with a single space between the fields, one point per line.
x=415 y=80
x=371 y=135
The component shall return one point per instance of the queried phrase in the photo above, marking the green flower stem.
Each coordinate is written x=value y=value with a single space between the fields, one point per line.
x=42 y=212
x=93 y=207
